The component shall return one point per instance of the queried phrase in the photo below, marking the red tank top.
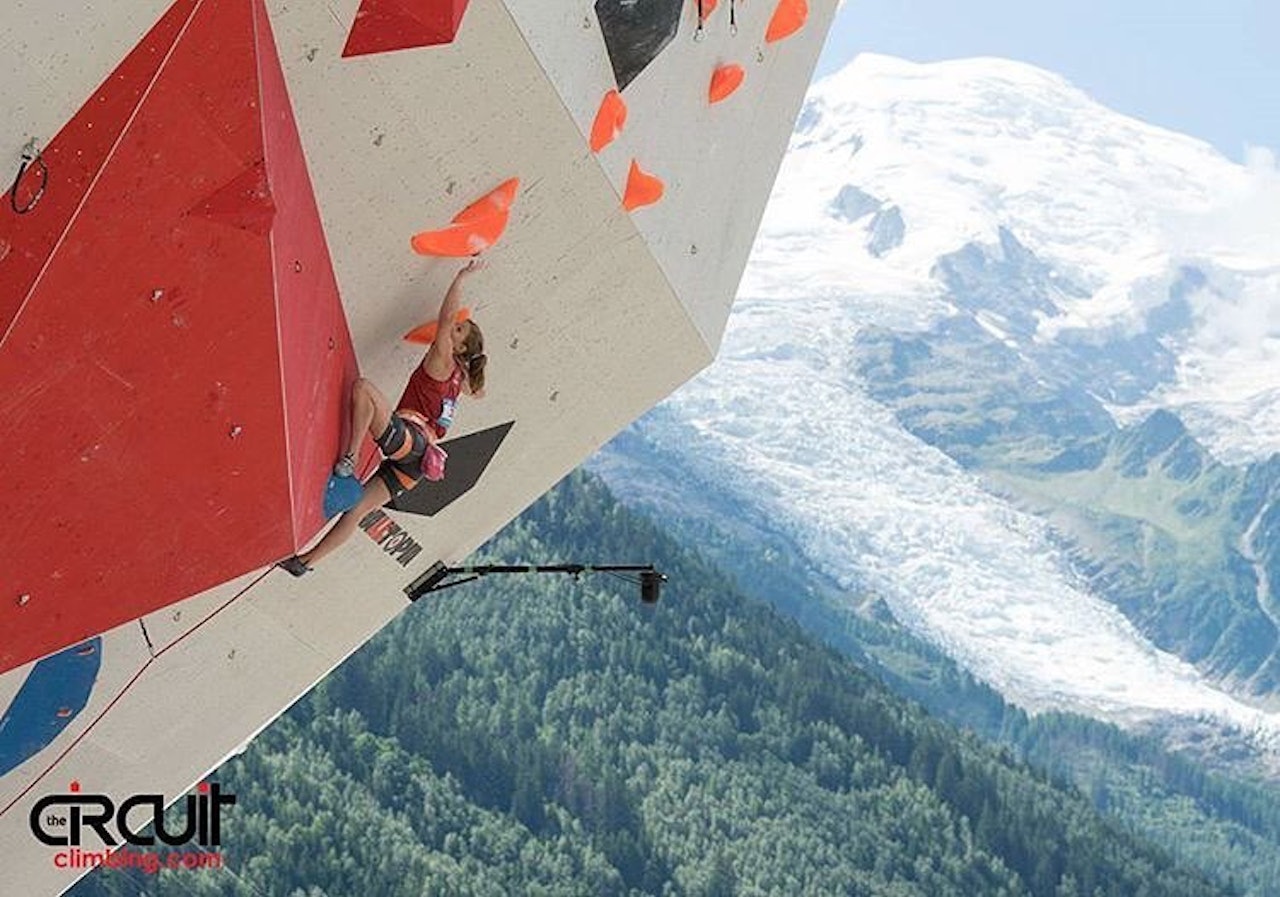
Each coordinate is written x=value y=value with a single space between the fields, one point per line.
x=433 y=399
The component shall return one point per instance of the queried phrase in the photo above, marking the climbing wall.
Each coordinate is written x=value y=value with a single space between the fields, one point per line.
x=174 y=335
x=222 y=223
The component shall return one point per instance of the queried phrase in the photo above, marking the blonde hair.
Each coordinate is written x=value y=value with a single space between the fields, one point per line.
x=473 y=358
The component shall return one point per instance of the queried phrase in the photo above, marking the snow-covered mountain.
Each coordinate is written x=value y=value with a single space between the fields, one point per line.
x=896 y=165
x=972 y=288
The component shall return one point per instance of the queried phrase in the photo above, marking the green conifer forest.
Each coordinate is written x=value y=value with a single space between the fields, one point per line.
x=540 y=736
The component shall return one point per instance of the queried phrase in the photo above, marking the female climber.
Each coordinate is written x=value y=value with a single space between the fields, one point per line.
x=454 y=365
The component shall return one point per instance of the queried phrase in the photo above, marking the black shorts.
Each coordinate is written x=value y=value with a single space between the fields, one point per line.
x=403 y=444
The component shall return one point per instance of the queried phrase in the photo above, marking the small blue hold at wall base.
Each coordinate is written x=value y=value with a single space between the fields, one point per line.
x=341 y=494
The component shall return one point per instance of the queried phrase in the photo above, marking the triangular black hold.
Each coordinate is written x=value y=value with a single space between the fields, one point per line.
x=635 y=32
x=469 y=457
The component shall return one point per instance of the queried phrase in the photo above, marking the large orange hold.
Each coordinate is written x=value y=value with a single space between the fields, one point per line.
x=425 y=334
x=788 y=18
x=474 y=229
x=643 y=189
x=459 y=240
x=610 y=118
x=724 y=81
x=498 y=200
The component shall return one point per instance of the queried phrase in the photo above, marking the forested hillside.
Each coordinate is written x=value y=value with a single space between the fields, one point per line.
x=536 y=736
x=1209 y=802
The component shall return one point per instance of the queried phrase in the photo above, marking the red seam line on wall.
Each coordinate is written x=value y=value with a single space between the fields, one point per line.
x=87 y=729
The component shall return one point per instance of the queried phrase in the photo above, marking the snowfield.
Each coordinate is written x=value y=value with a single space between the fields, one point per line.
x=1117 y=207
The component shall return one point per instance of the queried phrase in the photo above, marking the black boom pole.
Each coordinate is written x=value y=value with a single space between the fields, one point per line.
x=434 y=580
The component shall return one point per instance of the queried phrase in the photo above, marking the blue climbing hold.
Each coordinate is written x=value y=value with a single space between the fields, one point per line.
x=341 y=494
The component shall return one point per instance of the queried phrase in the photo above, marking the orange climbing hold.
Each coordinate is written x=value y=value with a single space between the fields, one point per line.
x=497 y=201
x=724 y=81
x=425 y=334
x=610 y=118
x=643 y=189
x=460 y=240
x=474 y=229
x=706 y=8
x=788 y=18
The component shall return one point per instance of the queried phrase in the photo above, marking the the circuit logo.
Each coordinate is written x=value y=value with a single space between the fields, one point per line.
x=59 y=820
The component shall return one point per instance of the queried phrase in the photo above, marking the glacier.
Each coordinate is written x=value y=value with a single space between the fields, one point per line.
x=1117 y=211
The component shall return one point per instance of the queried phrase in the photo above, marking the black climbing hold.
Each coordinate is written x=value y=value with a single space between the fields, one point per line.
x=635 y=32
